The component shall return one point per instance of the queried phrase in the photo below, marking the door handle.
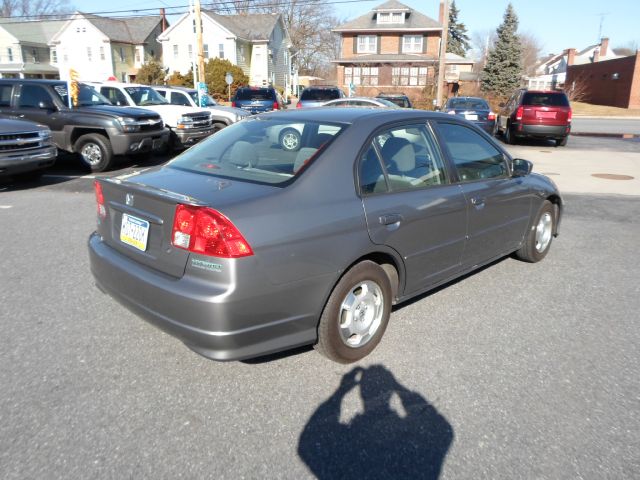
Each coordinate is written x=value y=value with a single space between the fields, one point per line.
x=390 y=218
x=477 y=201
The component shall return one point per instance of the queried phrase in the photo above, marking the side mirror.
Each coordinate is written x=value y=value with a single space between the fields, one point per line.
x=46 y=106
x=521 y=167
x=501 y=104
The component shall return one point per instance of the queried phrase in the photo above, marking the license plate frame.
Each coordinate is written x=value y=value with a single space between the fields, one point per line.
x=134 y=232
x=471 y=116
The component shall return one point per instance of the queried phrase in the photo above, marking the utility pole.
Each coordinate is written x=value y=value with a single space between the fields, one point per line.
x=442 y=65
x=200 y=46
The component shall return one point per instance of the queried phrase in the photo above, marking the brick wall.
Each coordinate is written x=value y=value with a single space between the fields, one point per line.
x=390 y=43
x=601 y=86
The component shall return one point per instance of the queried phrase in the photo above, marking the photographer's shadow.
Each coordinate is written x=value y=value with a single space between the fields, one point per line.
x=380 y=442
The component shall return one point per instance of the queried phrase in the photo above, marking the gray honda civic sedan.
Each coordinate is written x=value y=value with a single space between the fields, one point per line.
x=246 y=244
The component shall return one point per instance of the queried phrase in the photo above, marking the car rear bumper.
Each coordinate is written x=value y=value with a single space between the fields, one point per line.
x=217 y=322
x=23 y=162
x=542 y=131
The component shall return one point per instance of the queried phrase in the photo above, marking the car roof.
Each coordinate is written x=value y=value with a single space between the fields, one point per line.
x=33 y=80
x=466 y=98
x=174 y=87
x=352 y=114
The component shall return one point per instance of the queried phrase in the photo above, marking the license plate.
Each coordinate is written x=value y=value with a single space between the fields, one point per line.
x=134 y=232
x=546 y=114
x=470 y=116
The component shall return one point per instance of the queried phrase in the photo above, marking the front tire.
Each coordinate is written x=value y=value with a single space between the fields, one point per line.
x=356 y=314
x=218 y=126
x=538 y=238
x=95 y=151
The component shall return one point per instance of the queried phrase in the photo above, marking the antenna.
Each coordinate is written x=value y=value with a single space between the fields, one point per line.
x=601 y=15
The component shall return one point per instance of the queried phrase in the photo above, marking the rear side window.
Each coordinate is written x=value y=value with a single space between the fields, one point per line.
x=474 y=157
x=179 y=98
x=320 y=94
x=32 y=95
x=545 y=99
x=255 y=94
x=5 y=95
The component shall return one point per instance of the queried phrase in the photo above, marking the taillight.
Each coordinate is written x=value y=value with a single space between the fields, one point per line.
x=519 y=112
x=233 y=104
x=102 y=210
x=451 y=112
x=276 y=106
x=569 y=116
x=491 y=116
x=208 y=232
x=299 y=104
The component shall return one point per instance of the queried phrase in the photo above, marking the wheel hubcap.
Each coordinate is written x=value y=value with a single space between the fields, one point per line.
x=91 y=153
x=290 y=141
x=543 y=232
x=361 y=314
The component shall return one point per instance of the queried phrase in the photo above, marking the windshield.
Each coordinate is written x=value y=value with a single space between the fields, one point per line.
x=264 y=151
x=467 y=103
x=143 y=96
x=194 y=95
x=87 y=95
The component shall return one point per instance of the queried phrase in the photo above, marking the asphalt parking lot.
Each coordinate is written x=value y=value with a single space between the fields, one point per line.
x=516 y=371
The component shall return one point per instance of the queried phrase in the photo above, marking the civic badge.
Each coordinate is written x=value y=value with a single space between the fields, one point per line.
x=129 y=199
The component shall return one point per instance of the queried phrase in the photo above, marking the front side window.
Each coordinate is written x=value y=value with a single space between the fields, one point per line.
x=412 y=44
x=179 y=98
x=87 y=95
x=266 y=151
x=114 y=95
x=143 y=96
x=367 y=43
x=5 y=95
x=474 y=157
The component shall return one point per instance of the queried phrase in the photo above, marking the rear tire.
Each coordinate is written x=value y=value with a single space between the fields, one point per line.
x=218 y=126
x=509 y=137
x=561 y=142
x=356 y=314
x=538 y=238
x=95 y=151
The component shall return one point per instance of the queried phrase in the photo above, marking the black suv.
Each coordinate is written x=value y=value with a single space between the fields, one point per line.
x=94 y=128
x=256 y=99
x=399 y=99
x=317 y=95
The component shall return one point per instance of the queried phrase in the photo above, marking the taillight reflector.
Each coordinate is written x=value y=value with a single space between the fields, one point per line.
x=491 y=116
x=569 y=115
x=276 y=106
x=299 y=104
x=233 y=104
x=519 y=112
x=208 y=232
x=102 y=210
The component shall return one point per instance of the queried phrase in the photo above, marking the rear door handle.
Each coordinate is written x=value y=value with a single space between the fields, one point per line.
x=390 y=218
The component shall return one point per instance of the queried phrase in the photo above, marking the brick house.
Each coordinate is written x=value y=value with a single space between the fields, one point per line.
x=611 y=82
x=393 y=47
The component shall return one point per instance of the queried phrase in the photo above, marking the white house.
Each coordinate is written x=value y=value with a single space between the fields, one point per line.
x=100 y=47
x=257 y=43
x=24 y=50
x=551 y=72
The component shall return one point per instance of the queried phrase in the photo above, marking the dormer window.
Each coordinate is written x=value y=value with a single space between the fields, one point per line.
x=390 y=17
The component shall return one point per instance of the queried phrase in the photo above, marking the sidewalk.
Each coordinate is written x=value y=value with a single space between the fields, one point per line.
x=572 y=170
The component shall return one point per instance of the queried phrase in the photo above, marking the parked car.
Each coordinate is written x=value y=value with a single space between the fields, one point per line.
x=399 y=99
x=240 y=248
x=361 y=102
x=188 y=125
x=26 y=148
x=536 y=114
x=256 y=99
x=474 y=109
x=318 y=95
x=95 y=129
x=221 y=116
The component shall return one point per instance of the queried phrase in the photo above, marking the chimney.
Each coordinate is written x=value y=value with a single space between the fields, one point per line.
x=596 y=54
x=441 y=13
x=571 y=56
x=164 y=19
x=604 y=45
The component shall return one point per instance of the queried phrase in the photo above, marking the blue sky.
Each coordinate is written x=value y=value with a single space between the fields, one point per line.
x=558 y=24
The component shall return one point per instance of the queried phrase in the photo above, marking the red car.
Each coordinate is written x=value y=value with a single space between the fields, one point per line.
x=535 y=114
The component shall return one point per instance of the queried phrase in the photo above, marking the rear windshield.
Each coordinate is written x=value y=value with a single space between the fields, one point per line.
x=545 y=99
x=254 y=94
x=320 y=94
x=267 y=151
x=399 y=101
x=468 y=103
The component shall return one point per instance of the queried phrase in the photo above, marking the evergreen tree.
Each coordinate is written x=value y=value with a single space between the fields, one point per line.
x=458 y=40
x=151 y=73
x=215 y=70
x=503 y=71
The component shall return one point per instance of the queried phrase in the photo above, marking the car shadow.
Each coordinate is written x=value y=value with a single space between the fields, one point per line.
x=397 y=433
x=278 y=355
x=528 y=142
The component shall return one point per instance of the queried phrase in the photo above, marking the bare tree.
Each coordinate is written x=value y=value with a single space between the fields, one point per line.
x=483 y=42
x=33 y=9
x=578 y=90
x=629 y=48
x=531 y=49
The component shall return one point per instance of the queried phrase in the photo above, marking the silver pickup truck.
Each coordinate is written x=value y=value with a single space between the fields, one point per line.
x=26 y=148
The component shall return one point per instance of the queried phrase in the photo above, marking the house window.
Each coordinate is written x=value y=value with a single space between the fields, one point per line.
x=409 y=76
x=34 y=56
x=367 y=43
x=390 y=17
x=205 y=47
x=54 y=56
x=89 y=53
x=77 y=29
x=361 y=76
x=412 y=44
x=101 y=53
x=190 y=50
x=10 y=54
x=221 y=50
x=242 y=59
x=137 y=55
x=175 y=52
x=123 y=58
